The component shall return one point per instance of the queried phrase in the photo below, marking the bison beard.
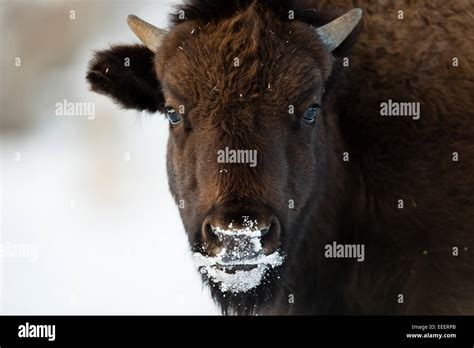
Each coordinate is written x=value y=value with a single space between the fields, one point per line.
x=345 y=173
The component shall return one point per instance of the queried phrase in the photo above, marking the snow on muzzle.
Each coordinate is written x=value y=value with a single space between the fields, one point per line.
x=241 y=264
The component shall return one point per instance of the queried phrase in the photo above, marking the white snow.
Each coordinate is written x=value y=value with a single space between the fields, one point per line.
x=242 y=248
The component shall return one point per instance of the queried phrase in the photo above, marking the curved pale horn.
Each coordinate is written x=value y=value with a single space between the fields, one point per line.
x=150 y=35
x=335 y=32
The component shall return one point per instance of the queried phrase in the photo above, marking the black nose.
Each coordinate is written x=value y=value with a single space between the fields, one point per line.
x=243 y=236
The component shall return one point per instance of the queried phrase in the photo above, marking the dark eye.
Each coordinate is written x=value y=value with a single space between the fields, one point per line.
x=173 y=116
x=310 y=115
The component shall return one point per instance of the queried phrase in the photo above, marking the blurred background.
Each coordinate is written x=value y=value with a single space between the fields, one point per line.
x=87 y=224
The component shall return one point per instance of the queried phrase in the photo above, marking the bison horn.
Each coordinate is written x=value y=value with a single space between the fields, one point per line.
x=335 y=32
x=150 y=35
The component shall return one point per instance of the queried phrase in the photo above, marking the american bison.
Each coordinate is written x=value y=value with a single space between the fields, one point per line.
x=321 y=152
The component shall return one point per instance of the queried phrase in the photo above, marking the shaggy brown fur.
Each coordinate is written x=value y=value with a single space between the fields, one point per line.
x=409 y=251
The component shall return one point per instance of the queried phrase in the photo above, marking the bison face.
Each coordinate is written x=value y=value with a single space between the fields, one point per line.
x=249 y=145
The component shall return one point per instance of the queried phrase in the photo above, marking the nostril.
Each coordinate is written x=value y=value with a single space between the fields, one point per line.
x=264 y=231
x=207 y=233
x=209 y=238
x=271 y=237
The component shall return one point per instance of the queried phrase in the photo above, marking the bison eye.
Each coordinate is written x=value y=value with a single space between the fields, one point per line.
x=173 y=116
x=310 y=115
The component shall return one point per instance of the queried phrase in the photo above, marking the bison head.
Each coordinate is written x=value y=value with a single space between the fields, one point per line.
x=251 y=139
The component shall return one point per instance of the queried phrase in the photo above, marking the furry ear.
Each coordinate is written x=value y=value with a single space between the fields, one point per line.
x=127 y=74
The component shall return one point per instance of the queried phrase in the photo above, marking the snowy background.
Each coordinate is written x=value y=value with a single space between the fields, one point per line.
x=87 y=200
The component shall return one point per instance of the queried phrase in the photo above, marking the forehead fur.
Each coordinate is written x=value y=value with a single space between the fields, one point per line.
x=206 y=11
x=244 y=55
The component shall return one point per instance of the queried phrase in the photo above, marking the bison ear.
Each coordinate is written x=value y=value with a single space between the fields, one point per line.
x=334 y=33
x=127 y=74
